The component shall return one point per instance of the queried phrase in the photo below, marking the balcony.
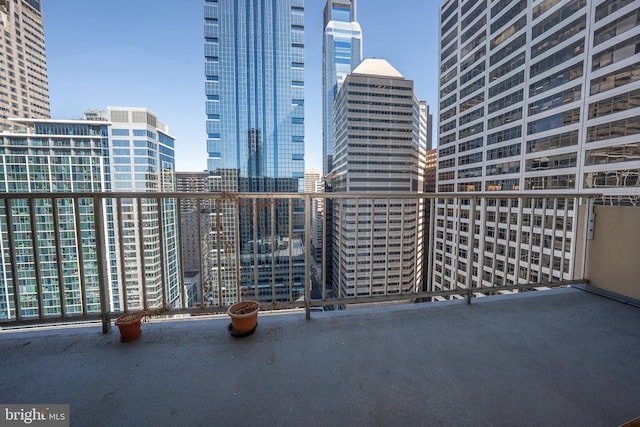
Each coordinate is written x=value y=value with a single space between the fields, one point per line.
x=562 y=357
x=514 y=352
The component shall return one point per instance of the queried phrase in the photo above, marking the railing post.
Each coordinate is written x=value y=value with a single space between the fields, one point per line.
x=471 y=247
x=307 y=257
x=589 y=221
x=99 y=223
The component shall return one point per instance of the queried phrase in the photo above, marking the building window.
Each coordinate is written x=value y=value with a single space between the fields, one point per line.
x=615 y=104
x=559 y=36
x=558 y=182
x=610 y=6
x=617 y=27
x=560 y=161
x=557 y=58
x=617 y=129
x=621 y=77
x=615 y=154
x=556 y=100
x=552 y=142
x=616 y=53
x=553 y=122
x=612 y=179
x=557 y=79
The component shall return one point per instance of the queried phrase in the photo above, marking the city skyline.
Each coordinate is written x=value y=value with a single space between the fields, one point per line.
x=127 y=67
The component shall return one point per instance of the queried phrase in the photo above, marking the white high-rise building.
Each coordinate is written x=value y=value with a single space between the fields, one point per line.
x=122 y=150
x=341 y=53
x=379 y=146
x=534 y=96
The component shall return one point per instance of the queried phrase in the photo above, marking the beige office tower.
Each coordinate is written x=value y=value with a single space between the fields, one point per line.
x=24 y=87
x=378 y=148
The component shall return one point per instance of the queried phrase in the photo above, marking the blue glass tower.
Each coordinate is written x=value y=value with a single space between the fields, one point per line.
x=254 y=68
x=341 y=54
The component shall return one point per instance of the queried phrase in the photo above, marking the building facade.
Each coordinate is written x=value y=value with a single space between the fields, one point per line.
x=534 y=96
x=121 y=150
x=313 y=183
x=379 y=147
x=254 y=69
x=195 y=215
x=24 y=87
x=341 y=53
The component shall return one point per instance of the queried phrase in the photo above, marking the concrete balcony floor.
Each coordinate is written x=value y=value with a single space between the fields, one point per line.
x=557 y=358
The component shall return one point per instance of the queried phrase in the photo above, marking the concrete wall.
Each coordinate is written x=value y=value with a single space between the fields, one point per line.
x=613 y=256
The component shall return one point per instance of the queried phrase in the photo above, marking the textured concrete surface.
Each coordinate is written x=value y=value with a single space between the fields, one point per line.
x=558 y=358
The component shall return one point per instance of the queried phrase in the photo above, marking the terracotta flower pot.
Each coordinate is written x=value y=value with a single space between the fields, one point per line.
x=129 y=325
x=244 y=316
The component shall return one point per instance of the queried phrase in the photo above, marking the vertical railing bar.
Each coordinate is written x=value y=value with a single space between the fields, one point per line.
x=236 y=230
x=205 y=268
x=307 y=255
x=519 y=238
x=274 y=248
x=103 y=262
x=161 y=244
x=417 y=226
x=445 y=227
x=505 y=277
x=470 y=246
x=564 y=237
x=80 y=249
x=323 y=276
x=341 y=228
x=183 y=296
x=587 y=217
x=36 y=256
x=532 y=216
x=496 y=232
x=430 y=249
x=552 y=244
x=372 y=229
x=143 y=258
x=124 y=297
x=387 y=245
x=542 y=227
x=256 y=264
x=290 y=247
x=217 y=203
x=402 y=230
x=456 y=245
x=483 y=240
x=14 y=261
x=355 y=266
x=59 y=257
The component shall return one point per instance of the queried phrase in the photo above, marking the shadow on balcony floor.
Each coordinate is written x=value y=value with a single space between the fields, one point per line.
x=562 y=357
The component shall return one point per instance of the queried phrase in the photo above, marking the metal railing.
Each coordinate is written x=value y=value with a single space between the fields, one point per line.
x=71 y=257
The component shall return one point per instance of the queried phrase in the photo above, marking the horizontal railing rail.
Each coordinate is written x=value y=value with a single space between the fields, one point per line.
x=72 y=257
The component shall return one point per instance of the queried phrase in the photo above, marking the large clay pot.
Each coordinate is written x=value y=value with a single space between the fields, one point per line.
x=244 y=316
x=129 y=325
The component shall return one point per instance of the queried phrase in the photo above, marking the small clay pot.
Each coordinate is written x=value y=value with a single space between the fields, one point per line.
x=244 y=316
x=129 y=325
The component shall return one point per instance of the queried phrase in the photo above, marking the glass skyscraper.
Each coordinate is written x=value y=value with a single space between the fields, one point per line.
x=254 y=67
x=341 y=54
x=254 y=70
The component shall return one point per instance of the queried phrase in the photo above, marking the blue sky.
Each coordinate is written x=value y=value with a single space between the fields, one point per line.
x=149 y=53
